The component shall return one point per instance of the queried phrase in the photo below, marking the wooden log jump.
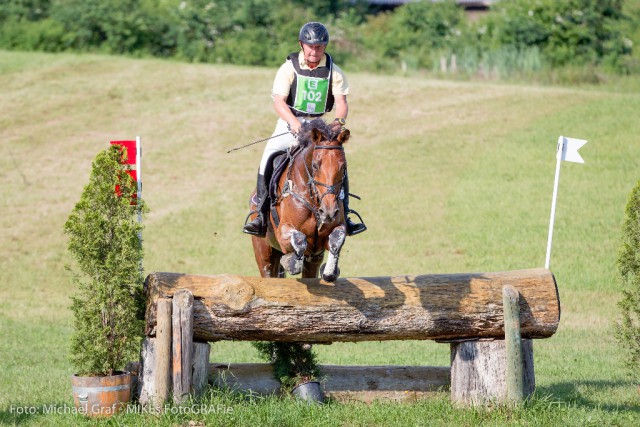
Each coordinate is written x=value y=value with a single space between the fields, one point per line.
x=467 y=310
x=425 y=307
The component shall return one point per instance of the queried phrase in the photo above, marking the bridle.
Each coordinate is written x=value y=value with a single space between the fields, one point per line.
x=313 y=184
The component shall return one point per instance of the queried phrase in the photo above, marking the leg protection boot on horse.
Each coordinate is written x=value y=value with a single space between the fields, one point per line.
x=258 y=227
x=352 y=227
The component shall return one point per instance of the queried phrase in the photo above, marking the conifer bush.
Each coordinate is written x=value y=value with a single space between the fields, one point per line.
x=103 y=237
x=293 y=363
x=628 y=328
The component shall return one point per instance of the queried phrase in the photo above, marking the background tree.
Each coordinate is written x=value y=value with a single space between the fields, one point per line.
x=514 y=36
x=567 y=32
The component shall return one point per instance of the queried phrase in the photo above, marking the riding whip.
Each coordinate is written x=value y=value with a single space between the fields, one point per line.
x=255 y=142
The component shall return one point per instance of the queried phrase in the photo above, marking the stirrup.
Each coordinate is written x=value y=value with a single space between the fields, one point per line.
x=263 y=230
x=248 y=216
x=364 y=226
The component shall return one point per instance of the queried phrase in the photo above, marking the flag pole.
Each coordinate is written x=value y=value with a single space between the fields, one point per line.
x=561 y=142
x=139 y=174
x=139 y=190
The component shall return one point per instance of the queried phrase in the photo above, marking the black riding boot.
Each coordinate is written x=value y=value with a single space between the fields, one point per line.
x=352 y=227
x=258 y=227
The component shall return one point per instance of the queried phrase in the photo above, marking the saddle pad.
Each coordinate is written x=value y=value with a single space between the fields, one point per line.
x=279 y=162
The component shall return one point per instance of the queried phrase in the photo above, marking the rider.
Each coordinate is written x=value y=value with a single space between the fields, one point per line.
x=306 y=86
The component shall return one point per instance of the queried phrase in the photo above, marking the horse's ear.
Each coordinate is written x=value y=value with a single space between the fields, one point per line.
x=316 y=136
x=344 y=136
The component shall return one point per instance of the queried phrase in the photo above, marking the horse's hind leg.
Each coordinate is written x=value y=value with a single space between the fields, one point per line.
x=336 y=239
x=311 y=265
x=276 y=269
x=267 y=258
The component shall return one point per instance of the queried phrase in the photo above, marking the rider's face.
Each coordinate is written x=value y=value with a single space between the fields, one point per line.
x=313 y=53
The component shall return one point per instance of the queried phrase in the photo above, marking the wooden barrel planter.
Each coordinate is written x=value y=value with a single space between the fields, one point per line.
x=101 y=396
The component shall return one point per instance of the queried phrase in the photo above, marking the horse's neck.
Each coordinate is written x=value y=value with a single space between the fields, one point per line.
x=302 y=162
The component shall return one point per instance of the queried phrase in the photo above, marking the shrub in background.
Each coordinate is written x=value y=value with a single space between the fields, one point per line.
x=132 y=27
x=103 y=238
x=418 y=31
x=24 y=10
x=631 y=32
x=249 y=32
x=628 y=328
x=517 y=37
x=45 y=35
x=568 y=32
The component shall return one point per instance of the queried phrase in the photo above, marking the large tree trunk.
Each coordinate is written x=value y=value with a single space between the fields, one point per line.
x=442 y=307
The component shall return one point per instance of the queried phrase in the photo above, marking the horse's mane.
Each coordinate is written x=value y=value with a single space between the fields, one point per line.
x=328 y=131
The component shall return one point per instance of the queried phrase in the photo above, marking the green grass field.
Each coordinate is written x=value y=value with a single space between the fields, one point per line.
x=454 y=176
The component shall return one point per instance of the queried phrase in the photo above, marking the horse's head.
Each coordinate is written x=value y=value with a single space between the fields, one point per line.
x=328 y=166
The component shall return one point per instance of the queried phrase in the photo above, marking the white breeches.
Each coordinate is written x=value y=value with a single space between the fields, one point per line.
x=279 y=143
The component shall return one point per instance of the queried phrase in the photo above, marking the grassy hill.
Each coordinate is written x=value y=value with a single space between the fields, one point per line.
x=454 y=177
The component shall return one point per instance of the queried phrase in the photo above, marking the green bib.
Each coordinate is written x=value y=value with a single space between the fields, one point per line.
x=311 y=94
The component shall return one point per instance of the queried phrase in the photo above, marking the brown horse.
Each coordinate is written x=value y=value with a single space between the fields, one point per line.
x=309 y=212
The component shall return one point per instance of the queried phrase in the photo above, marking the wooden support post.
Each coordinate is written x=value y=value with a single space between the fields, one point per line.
x=163 y=353
x=146 y=377
x=182 y=344
x=494 y=370
x=513 y=344
x=478 y=371
x=201 y=352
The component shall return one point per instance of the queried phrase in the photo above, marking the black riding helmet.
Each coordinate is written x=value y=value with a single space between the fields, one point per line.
x=314 y=33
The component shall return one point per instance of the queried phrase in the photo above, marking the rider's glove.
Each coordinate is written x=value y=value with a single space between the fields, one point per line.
x=339 y=123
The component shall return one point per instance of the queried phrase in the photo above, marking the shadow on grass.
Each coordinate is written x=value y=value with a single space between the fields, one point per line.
x=569 y=393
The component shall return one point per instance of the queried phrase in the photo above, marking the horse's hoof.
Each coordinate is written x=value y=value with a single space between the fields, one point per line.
x=292 y=264
x=329 y=277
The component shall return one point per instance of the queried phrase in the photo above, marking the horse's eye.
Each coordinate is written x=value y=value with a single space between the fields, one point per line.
x=315 y=166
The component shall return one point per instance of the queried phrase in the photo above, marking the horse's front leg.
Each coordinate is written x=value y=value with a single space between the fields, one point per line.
x=293 y=243
x=336 y=239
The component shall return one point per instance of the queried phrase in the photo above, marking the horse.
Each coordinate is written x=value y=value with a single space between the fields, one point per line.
x=307 y=215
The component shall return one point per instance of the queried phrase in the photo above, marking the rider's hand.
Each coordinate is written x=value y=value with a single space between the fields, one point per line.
x=295 y=127
x=339 y=124
x=337 y=127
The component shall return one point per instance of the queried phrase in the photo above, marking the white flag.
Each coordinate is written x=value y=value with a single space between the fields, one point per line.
x=568 y=149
